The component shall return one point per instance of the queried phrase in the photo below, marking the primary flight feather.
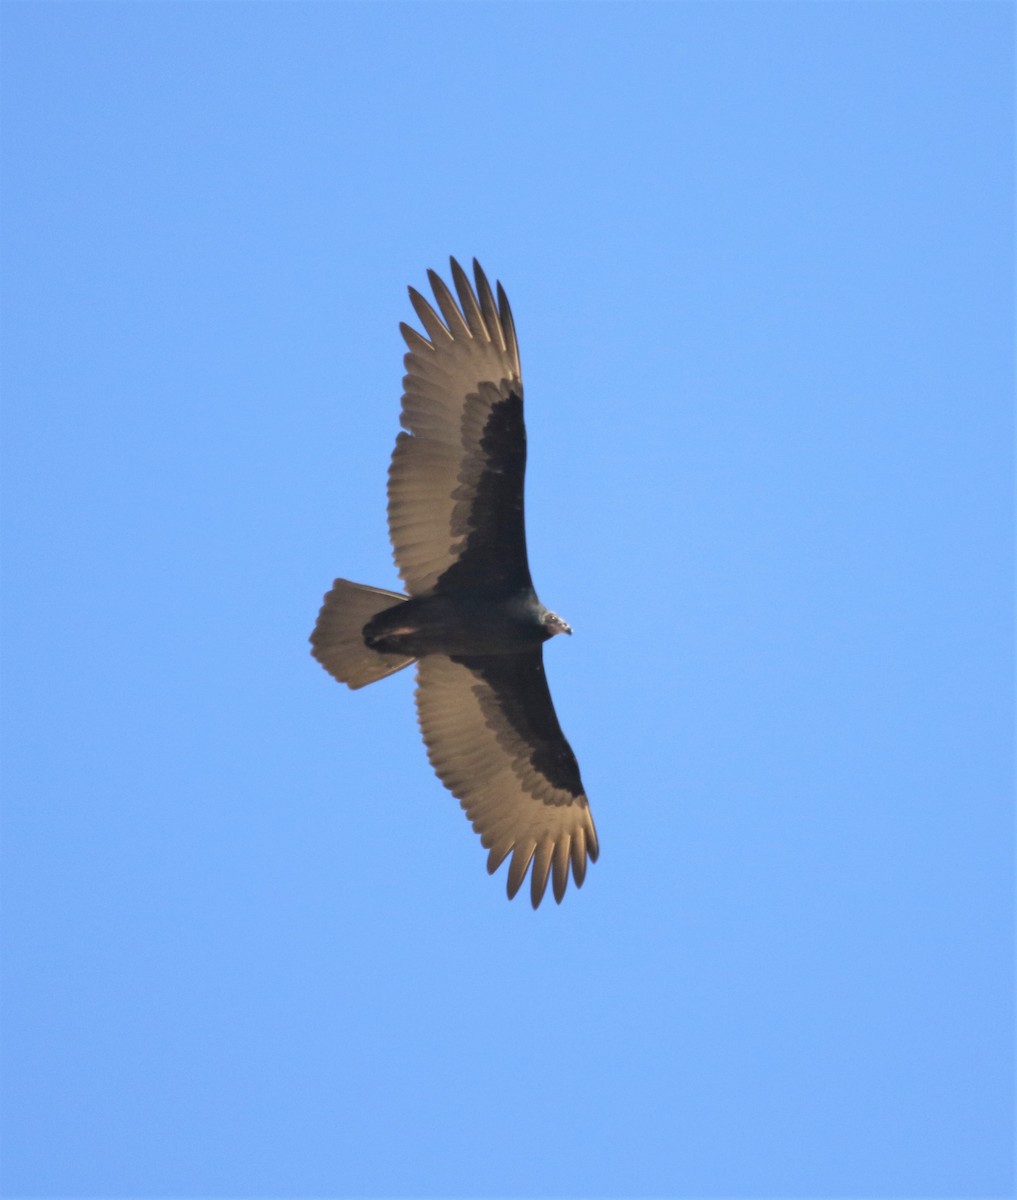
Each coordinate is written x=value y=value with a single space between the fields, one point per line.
x=470 y=619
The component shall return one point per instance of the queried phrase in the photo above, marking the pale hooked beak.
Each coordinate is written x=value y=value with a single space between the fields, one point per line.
x=555 y=624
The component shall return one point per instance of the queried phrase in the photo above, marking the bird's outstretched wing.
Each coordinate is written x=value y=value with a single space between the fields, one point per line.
x=455 y=486
x=493 y=738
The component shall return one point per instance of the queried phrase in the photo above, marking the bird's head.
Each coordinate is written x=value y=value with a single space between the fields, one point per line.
x=553 y=623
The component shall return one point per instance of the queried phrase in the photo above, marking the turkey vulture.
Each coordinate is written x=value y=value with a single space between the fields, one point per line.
x=470 y=619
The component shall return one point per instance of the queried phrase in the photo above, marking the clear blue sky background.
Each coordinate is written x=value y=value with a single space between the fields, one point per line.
x=761 y=260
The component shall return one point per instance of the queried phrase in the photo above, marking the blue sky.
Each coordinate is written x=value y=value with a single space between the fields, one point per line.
x=761 y=262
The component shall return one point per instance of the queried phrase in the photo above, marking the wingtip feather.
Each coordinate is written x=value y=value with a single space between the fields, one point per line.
x=430 y=320
x=497 y=856
x=518 y=867
x=577 y=852
x=541 y=869
x=561 y=867
x=492 y=319
x=508 y=327
x=449 y=309
x=468 y=302
x=592 y=844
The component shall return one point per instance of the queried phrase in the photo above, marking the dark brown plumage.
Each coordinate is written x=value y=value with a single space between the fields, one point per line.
x=471 y=618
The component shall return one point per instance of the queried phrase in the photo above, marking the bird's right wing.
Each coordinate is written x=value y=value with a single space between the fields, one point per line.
x=493 y=738
x=455 y=486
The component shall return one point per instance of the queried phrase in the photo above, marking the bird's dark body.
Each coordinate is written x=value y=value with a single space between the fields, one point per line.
x=469 y=622
x=470 y=617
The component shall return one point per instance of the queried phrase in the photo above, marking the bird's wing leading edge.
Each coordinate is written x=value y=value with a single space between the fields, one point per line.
x=493 y=738
x=455 y=486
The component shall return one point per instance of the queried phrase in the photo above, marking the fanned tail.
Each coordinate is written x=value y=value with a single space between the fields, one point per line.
x=338 y=638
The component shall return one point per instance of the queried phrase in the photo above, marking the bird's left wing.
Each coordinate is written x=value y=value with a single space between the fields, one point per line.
x=493 y=738
x=455 y=486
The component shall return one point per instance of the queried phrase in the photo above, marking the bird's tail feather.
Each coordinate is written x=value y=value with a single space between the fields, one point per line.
x=338 y=638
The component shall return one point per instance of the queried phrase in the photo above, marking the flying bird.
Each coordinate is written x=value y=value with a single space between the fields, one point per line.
x=470 y=618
